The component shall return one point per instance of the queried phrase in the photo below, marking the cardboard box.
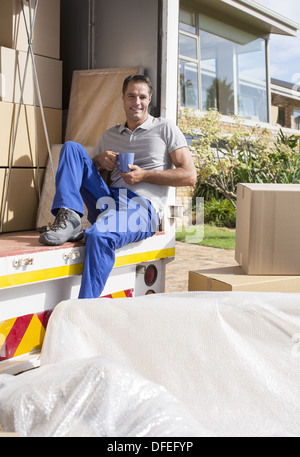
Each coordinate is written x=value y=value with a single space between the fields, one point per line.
x=268 y=229
x=96 y=103
x=49 y=73
x=46 y=31
x=233 y=279
x=23 y=198
x=30 y=147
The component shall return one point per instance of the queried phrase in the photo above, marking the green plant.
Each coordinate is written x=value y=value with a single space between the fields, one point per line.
x=227 y=154
x=202 y=189
x=219 y=212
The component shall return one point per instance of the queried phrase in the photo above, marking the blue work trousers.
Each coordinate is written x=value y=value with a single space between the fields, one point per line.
x=118 y=215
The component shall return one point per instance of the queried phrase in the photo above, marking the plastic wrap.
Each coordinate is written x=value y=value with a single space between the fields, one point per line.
x=91 y=398
x=232 y=358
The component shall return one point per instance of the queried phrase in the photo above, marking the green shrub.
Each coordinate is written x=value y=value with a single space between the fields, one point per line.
x=219 y=212
x=231 y=153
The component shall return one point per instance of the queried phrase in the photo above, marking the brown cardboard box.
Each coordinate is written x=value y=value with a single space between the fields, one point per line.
x=23 y=198
x=96 y=103
x=46 y=31
x=233 y=279
x=49 y=73
x=30 y=145
x=268 y=229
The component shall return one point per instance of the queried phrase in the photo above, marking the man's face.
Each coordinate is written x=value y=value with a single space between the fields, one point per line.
x=136 y=101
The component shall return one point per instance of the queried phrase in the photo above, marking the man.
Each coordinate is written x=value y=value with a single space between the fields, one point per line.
x=130 y=209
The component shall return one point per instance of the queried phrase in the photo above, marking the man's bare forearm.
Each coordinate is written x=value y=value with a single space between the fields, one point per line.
x=174 y=177
x=177 y=177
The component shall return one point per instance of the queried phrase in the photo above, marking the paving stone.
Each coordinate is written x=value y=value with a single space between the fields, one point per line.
x=189 y=257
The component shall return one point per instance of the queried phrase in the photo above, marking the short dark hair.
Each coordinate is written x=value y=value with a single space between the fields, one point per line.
x=137 y=78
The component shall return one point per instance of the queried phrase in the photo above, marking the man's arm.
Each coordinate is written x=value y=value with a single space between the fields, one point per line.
x=184 y=173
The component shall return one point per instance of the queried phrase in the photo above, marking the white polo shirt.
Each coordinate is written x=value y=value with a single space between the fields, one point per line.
x=152 y=143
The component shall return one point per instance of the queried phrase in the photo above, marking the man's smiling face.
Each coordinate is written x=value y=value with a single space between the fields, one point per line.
x=136 y=101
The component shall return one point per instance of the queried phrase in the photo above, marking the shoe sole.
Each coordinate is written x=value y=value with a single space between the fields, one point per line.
x=77 y=237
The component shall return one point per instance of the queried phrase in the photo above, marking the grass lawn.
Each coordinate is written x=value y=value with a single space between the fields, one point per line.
x=216 y=237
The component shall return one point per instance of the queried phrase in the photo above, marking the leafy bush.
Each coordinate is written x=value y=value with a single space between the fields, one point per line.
x=229 y=153
x=220 y=213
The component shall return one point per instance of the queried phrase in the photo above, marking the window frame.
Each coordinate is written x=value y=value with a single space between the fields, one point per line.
x=197 y=61
x=296 y=109
x=190 y=59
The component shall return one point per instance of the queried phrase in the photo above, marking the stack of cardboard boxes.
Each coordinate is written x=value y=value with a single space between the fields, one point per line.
x=30 y=155
x=267 y=248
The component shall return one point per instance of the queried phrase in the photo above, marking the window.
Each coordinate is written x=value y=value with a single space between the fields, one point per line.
x=188 y=63
x=187 y=21
x=221 y=67
x=296 y=119
x=189 y=95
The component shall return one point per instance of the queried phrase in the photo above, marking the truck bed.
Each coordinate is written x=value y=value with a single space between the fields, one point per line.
x=26 y=242
x=35 y=278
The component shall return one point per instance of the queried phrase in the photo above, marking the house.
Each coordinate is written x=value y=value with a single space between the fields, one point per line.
x=286 y=100
x=224 y=57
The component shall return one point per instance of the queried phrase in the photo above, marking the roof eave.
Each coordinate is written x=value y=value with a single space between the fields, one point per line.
x=263 y=18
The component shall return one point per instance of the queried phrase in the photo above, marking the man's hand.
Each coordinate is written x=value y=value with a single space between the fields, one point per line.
x=184 y=173
x=106 y=160
x=134 y=176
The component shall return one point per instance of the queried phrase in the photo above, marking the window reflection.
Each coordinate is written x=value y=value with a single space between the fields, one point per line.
x=230 y=68
x=187 y=21
x=296 y=119
x=252 y=90
x=189 y=95
x=187 y=46
x=233 y=77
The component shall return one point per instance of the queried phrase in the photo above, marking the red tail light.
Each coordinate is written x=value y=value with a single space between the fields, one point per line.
x=150 y=275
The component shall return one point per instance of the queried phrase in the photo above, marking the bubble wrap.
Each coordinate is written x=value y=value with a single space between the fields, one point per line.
x=92 y=397
x=232 y=358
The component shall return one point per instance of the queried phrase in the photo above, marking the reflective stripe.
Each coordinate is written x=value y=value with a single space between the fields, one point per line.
x=25 y=334
x=22 y=335
x=68 y=270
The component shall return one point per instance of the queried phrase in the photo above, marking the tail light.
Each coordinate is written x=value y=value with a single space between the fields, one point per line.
x=150 y=275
